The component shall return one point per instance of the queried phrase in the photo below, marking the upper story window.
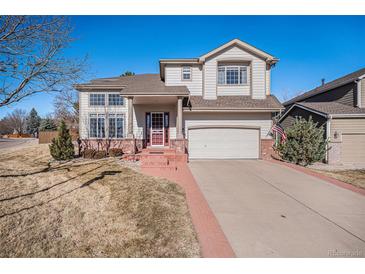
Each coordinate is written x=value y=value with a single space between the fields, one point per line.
x=97 y=99
x=115 y=100
x=232 y=75
x=186 y=73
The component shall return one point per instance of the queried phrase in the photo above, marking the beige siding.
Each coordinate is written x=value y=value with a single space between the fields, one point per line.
x=363 y=93
x=351 y=139
x=86 y=109
x=348 y=125
x=173 y=76
x=233 y=90
x=353 y=148
x=262 y=120
x=258 y=70
x=139 y=118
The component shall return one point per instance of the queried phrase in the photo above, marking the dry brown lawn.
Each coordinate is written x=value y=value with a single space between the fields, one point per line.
x=354 y=177
x=94 y=208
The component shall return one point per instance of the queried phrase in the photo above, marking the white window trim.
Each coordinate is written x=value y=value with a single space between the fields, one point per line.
x=97 y=125
x=239 y=75
x=182 y=73
x=106 y=125
x=116 y=115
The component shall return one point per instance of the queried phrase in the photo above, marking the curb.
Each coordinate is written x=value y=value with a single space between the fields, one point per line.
x=321 y=176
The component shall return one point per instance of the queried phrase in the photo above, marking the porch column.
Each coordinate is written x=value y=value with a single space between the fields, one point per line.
x=179 y=133
x=130 y=118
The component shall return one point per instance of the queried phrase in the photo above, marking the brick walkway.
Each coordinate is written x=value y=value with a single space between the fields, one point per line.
x=213 y=242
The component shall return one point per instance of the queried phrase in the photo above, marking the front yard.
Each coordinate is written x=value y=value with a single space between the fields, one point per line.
x=354 y=177
x=88 y=208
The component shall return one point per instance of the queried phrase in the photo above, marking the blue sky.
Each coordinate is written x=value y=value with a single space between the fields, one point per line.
x=309 y=47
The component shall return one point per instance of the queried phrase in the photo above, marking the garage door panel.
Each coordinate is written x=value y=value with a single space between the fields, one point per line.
x=223 y=143
x=353 y=148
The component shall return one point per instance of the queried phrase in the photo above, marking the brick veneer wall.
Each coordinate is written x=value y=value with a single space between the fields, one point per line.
x=129 y=146
x=181 y=145
x=267 y=150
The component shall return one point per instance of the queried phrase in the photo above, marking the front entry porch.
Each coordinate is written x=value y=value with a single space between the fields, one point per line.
x=155 y=123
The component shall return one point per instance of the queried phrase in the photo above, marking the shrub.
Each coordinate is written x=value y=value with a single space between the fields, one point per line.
x=62 y=147
x=115 y=152
x=305 y=143
x=89 y=153
x=100 y=154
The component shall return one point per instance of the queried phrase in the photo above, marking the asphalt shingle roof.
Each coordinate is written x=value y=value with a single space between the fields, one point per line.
x=332 y=108
x=328 y=86
x=234 y=102
x=141 y=84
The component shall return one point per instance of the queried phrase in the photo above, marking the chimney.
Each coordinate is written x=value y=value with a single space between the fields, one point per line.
x=322 y=80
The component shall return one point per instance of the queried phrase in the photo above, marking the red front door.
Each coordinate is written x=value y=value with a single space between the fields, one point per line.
x=157 y=129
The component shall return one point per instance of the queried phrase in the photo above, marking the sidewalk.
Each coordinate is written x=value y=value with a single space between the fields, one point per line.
x=213 y=242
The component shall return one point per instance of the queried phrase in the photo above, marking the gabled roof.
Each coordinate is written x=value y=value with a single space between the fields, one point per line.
x=327 y=109
x=237 y=42
x=330 y=85
x=270 y=59
x=141 y=84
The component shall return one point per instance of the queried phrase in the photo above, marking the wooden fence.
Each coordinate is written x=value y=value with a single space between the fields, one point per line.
x=45 y=137
x=17 y=135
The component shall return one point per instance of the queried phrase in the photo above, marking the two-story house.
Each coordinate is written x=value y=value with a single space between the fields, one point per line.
x=216 y=106
x=339 y=106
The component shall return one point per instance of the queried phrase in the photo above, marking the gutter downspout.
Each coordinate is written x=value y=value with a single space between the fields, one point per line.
x=328 y=135
x=358 y=101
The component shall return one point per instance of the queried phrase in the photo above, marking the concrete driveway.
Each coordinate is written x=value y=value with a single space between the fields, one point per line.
x=8 y=143
x=269 y=210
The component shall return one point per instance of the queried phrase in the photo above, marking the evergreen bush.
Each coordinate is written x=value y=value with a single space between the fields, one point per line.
x=62 y=147
x=305 y=143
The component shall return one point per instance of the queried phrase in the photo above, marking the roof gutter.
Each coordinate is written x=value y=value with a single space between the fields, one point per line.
x=352 y=115
x=81 y=87
x=186 y=109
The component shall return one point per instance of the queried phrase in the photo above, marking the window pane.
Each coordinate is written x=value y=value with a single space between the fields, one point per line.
x=115 y=100
x=97 y=99
x=120 y=130
x=111 y=127
x=243 y=75
x=101 y=127
x=93 y=126
x=186 y=73
x=221 y=73
x=232 y=75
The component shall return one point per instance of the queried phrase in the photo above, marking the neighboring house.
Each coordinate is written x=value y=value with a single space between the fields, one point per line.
x=340 y=107
x=215 y=106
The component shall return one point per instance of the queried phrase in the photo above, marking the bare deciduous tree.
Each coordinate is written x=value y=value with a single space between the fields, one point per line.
x=32 y=59
x=18 y=120
x=66 y=105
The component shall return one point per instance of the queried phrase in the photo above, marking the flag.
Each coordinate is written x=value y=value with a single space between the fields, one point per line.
x=278 y=129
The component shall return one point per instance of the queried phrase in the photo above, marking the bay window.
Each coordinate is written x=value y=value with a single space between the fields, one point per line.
x=232 y=75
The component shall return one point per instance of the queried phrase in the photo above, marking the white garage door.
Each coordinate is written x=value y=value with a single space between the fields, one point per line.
x=224 y=143
x=353 y=148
